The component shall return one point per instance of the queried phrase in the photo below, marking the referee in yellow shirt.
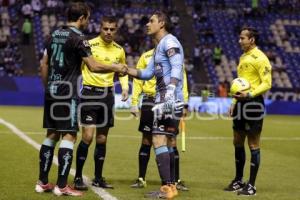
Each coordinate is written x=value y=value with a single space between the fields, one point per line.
x=147 y=89
x=98 y=100
x=248 y=109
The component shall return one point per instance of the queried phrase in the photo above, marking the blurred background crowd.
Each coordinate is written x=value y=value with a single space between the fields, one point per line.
x=208 y=30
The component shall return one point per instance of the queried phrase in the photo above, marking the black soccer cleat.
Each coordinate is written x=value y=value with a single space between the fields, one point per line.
x=234 y=186
x=248 y=190
x=79 y=184
x=139 y=183
x=101 y=183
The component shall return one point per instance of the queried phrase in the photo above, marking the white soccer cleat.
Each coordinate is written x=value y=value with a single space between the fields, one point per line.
x=40 y=187
x=68 y=191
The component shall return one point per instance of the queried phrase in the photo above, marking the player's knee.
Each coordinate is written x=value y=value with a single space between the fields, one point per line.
x=101 y=139
x=147 y=142
x=171 y=141
x=87 y=140
x=237 y=142
x=238 y=139
x=54 y=137
x=253 y=145
x=87 y=137
x=69 y=137
x=147 y=139
x=159 y=140
x=253 y=141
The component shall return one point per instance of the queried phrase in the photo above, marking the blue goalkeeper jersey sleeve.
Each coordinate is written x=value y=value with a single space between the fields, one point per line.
x=166 y=63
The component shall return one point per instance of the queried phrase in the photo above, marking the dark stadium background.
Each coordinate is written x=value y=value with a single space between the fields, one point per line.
x=207 y=165
x=201 y=26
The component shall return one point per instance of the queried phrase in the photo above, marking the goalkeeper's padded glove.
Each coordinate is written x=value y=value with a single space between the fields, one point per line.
x=166 y=108
x=158 y=111
x=179 y=105
x=170 y=94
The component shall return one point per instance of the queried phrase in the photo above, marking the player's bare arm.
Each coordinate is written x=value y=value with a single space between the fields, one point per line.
x=44 y=69
x=95 y=66
x=145 y=74
x=125 y=94
x=242 y=95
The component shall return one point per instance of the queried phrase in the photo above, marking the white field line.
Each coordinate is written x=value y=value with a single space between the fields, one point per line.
x=187 y=137
x=99 y=191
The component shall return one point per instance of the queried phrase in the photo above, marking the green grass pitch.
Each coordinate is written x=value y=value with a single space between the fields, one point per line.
x=207 y=166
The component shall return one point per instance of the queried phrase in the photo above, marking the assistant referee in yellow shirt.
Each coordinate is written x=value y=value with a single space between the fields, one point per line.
x=248 y=109
x=98 y=100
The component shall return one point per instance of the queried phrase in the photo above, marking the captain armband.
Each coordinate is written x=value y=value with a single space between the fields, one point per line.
x=172 y=51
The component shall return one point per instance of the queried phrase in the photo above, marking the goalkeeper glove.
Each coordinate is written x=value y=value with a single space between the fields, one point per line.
x=158 y=111
x=166 y=108
x=170 y=94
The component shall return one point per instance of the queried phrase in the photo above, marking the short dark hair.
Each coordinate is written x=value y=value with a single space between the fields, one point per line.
x=109 y=19
x=162 y=16
x=253 y=33
x=76 y=10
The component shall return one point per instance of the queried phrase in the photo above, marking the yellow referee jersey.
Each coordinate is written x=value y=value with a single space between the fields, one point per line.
x=148 y=87
x=255 y=67
x=107 y=54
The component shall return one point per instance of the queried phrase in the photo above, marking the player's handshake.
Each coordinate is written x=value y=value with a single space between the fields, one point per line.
x=120 y=68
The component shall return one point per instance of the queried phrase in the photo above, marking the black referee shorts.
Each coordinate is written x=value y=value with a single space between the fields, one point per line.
x=248 y=115
x=97 y=106
x=146 y=119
